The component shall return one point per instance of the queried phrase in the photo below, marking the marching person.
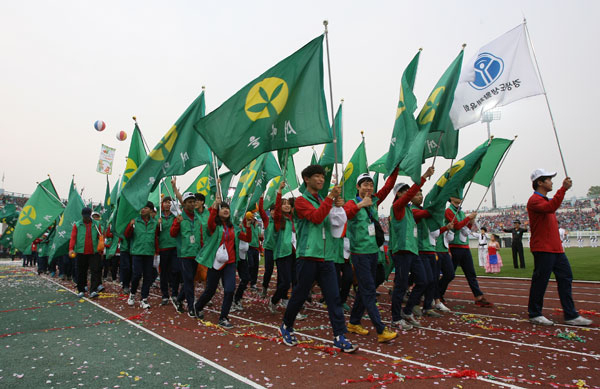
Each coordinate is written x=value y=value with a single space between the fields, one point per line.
x=313 y=231
x=268 y=246
x=84 y=244
x=167 y=246
x=548 y=253
x=364 y=252
x=517 y=243
x=459 y=247
x=219 y=255
x=144 y=246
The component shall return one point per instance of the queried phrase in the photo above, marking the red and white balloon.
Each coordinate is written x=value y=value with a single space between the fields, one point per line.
x=121 y=135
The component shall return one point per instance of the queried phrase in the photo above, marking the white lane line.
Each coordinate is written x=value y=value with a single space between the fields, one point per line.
x=422 y=364
x=183 y=349
x=512 y=289
x=468 y=335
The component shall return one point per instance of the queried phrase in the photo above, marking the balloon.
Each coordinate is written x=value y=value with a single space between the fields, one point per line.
x=121 y=135
x=99 y=125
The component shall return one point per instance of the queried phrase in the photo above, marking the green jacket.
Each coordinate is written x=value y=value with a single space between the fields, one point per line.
x=144 y=234
x=165 y=240
x=313 y=239
x=358 y=230
x=188 y=239
x=80 y=242
x=405 y=233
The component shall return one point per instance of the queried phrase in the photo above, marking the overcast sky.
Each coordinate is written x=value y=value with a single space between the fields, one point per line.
x=66 y=64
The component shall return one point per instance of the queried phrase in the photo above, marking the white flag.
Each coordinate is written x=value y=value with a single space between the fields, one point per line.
x=501 y=72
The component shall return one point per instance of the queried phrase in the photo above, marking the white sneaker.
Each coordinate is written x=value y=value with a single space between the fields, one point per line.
x=541 y=320
x=236 y=307
x=402 y=324
x=301 y=316
x=273 y=308
x=284 y=303
x=144 y=304
x=410 y=319
x=579 y=321
x=441 y=307
x=130 y=300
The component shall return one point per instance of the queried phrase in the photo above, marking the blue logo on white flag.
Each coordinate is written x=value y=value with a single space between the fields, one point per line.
x=488 y=68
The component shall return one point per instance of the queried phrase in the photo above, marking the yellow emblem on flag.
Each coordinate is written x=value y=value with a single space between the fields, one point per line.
x=348 y=171
x=453 y=170
x=428 y=112
x=27 y=215
x=266 y=98
x=203 y=186
x=130 y=168
x=165 y=145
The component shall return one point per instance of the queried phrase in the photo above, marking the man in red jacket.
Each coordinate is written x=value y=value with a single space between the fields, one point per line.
x=547 y=250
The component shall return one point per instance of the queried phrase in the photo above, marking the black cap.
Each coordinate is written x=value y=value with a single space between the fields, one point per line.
x=150 y=205
x=87 y=211
x=516 y=221
x=166 y=198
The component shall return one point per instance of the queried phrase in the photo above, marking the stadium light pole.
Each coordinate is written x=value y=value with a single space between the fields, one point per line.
x=487 y=118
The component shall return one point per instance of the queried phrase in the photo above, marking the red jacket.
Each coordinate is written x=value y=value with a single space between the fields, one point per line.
x=542 y=219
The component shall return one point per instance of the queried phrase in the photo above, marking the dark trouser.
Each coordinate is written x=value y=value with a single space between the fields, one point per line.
x=65 y=266
x=406 y=263
x=126 y=269
x=34 y=258
x=269 y=265
x=227 y=277
x=284 y=273
x=429 y=267
x=365 y=267
x=91 y=261
x=105 y=266
x=142 y=270
x=168 y=259
x=308 y=272
x=517 y=249
x=345 y=278
x=544 y=265
x=245 y=277
x=253 y=259
x=447 y=268
x=380 y=275
x=42 y=265
x=462 y=256
x=188 y=272
x=75 y=269
x=114 y=266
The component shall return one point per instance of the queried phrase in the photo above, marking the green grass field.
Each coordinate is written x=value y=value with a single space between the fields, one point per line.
x=585 y=263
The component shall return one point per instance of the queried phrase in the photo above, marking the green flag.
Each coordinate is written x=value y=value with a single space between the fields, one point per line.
x=328 y=154
x=107 y=195
x=379 y=165
x=405 y=126
x=269 y=171
x=281 y=109
x=137 y=154
x=496 y=150
x=451 y=184
x=37 y=215
x=447 y=144
x=434 y=116
x=354 y=168
x=204 y=184
x=59 y=245
x=180 y=150
x=273 y=187
x=6 y=239
x=9 y=214
x=226 y=183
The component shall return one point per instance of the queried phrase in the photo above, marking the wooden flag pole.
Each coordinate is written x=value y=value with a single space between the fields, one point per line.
x=546 y=96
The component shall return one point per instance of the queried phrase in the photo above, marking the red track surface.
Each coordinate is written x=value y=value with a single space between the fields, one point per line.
x=472 y=347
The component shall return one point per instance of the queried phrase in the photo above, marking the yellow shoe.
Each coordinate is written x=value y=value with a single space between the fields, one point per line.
x=357 y=329
x=386 y=335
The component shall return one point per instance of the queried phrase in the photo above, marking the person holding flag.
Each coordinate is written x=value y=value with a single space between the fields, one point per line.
x=187 y=229
x=167 y=246
x=314 y=236
x=144 y=246
x=459 y=246
x=548 y=253
x=219 y=254
x=364 y=252
x=268 y=246
x=84 y=245
x=405 y=252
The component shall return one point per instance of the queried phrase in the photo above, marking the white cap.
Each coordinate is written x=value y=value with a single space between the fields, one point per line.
x=188 y=195
x=399 y=186
x=95 y=213
x=363 y=176
x=537 y=173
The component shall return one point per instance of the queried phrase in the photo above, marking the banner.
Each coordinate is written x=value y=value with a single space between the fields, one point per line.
x=105 y=161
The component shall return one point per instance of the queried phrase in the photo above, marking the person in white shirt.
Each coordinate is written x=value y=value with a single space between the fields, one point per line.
x=483 y=246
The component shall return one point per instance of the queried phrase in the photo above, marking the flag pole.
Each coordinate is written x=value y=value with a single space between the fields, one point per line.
x=216 y=173
x=52 y=194
x=335 y=154
x=545 y=96
x=159 y=205
x=495 y=173
x=142 y=135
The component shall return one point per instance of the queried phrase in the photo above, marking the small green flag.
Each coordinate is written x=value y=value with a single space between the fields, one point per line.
x=180 y=150
x=9 y=214
x=405 y=126
x=451 y=184
x=269 y=171
x=39 y=213
x=328 y=155
x=313 y=161
x=281 y=109
x=6 y=239
x=273 y=187
x=204 y=184
x=59 y=245
x=354 y=168
x=496 y=151
x=137 y=154
x=107 y=195
x=434 y=116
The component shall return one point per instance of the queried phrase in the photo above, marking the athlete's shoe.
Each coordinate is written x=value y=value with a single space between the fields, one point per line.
x=410 y=319
x=431 y=313
x=224 y=323
x=144 y=304
x=579 y=321
x=342 y=343
x=386 y=335
x=483 y=303
x=130 y=300
x=164 y=301
x=402 y=324
x=287 y=335
x=357 y=329
x=441 y=307
x=541 y=320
